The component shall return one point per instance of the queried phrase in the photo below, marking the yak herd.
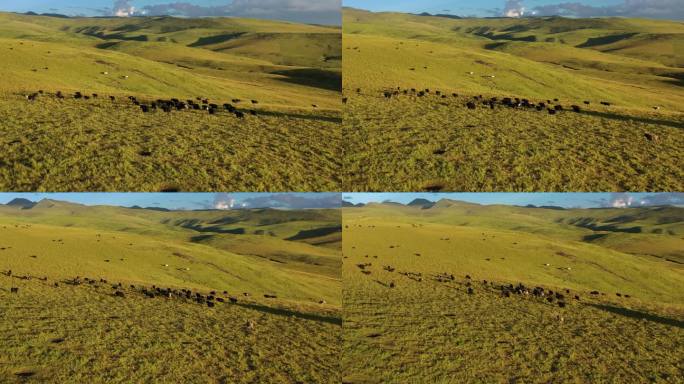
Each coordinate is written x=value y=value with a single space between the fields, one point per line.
x=504 y=290
x=559 y=297
x=165 y=105
x=551 y=106
x=210 y=299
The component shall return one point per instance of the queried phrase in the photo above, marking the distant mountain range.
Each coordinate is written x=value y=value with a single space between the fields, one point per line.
x=427 y=204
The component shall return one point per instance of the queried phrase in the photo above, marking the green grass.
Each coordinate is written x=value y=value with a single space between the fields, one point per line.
x=90 y=146
x=389 y=144
x=73 y=332
x=288 y=68
x=427 y=330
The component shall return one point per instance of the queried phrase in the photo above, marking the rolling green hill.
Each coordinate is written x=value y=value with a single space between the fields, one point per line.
x=48 y=250
x=409 y=315
x=293 y=72
x=632 y=64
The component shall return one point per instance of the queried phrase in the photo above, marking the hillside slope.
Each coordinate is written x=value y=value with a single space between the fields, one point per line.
x=156 y=291
x=162 y=104
x=447 y=294
x=441 y=104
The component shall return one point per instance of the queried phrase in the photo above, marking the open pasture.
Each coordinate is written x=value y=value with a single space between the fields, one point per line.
x=260 y=108
x=607 y=115
x=449 y=294
x=113 y=294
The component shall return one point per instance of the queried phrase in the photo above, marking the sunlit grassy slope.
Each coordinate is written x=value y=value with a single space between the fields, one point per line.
x=632 y=64
x=293 y=72
x=408 y=320
x=292 y=338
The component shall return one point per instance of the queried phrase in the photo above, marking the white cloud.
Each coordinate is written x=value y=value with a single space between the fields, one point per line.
x=514 y=8
x=658 y=9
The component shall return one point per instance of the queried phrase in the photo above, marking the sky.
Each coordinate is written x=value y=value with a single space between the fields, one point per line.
x=190 y=201
x=566 y=200
x=659 y=9
x=302 y=11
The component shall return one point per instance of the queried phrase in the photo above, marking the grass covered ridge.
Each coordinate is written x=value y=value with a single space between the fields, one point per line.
x=408 y=142
x=410 y=317
x=292 y=71
x=51 y=325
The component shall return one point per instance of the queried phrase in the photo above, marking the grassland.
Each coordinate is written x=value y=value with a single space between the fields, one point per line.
x=407 y=142
x=57 y=331
x=293 y=72
x=408 y=320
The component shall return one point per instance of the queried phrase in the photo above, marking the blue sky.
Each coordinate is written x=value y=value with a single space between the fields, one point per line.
x=665 y=9
x=314 y=11
x=190 y=200
x=567 y=200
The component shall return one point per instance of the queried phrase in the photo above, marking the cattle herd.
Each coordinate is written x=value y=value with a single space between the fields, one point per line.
x=561 y=298
x=551 y=106
x=165 y=105
x=210 y=299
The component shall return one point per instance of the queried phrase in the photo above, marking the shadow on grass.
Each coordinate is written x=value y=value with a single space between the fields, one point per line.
x=313 y=77
x=639 y=315
x=312 y=233
x=202 y=41
x=291 y=313
x=615 y=116
x=329 y=119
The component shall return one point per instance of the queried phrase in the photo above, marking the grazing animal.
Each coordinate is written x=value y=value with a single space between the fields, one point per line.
x=576 y=108
x=14 y=290
x=344 y=100
x=470 y=291
x=391 y=285
x=210 y=304
x=119 y=294
x=651 y=136
x=233 y=300
x=470 y=105
x=561 y=304
x=594 y=292
x=607 y=104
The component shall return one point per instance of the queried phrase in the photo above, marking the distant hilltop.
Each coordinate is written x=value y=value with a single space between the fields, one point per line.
x=46 y=14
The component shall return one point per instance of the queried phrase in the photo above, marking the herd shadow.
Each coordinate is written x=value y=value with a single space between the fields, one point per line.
x=631 y=313
x=291 y=313
x=646 y=120
x=330 y=119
